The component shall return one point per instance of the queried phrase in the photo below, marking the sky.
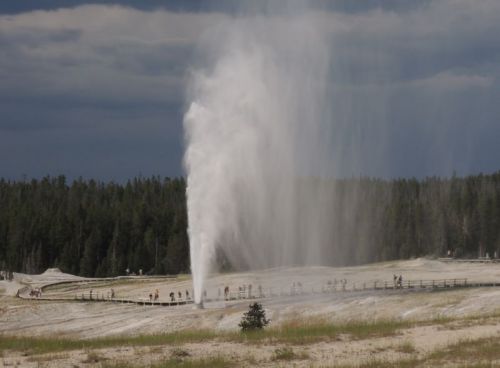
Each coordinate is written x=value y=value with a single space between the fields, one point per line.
x=97 y=89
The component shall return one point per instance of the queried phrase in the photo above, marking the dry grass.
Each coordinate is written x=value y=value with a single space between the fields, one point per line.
x=155 y=350
x=47 y=358
x=479 y=353
x=288 y=337
x=41 y=345
x=294 y=332
x=287 y=354
x=215 y=362
x=94 y=358
x=482 y=350
x=179 y=353
x=376 y=363
x=406 y=347
x=303 y=332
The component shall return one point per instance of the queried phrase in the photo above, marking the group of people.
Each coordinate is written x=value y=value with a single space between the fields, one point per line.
x=36 y=293
x=244 y=291
x=296 y=288
x=398 y=281
x=6 y=275
x=332 y=285
x=156 y=296
x=179 y=295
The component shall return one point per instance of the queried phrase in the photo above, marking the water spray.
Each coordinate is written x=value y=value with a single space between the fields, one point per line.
x=254 y=130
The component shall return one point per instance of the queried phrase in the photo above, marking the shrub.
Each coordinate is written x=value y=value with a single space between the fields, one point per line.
x=254 y=319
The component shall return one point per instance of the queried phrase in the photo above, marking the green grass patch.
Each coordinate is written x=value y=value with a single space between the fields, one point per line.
x=42 y=345
x=308 y=332
x=291 y=333
x=296 y=332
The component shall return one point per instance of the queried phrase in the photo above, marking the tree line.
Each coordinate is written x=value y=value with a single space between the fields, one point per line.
x=92 y=228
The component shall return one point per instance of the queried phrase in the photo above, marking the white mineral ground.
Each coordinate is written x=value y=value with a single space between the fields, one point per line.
x=89 y=319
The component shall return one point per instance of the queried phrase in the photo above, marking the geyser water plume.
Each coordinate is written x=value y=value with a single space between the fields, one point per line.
x=257 y=135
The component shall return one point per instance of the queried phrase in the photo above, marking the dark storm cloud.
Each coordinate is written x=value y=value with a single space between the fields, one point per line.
x=93 y=91
x=98 y=90
x=223 y=6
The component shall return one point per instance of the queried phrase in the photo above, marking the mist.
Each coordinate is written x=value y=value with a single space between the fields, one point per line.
x=280 y=105
x=257 y=129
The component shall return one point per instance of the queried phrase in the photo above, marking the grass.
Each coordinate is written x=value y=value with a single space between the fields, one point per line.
x=479 y=353
x=93 y=358
x=294 y=332
x=376 y=363
x=307 y=332
x=466 y=353
x=179 y=353
x=406 y=347
x=290 y=333
x=42 y=345
x=216 y=362
x=284 y=354
x=479 y=350
x=288 y=354
x=47 y=358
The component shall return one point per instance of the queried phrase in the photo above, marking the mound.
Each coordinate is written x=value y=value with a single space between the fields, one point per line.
x=51 y=271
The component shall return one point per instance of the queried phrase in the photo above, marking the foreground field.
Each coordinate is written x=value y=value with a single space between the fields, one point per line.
x=367 y=328
x=471 y=341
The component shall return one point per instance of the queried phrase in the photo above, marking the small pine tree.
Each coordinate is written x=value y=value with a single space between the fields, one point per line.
x=254 y=319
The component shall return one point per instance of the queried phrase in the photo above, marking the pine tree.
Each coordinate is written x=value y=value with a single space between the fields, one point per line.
x=254 y=319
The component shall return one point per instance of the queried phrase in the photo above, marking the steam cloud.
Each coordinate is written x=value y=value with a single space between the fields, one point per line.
x=282 y=103
x=256 y=128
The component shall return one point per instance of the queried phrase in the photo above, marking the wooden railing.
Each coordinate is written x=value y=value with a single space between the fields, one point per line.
x=259 y=293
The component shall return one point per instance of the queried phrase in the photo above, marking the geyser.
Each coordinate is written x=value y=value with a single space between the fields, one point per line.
x=257 y=136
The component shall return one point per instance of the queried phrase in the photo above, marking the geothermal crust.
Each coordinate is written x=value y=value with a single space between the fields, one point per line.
x=91 y=319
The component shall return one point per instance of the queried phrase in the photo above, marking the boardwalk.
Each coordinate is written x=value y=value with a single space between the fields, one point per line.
x=328 y=287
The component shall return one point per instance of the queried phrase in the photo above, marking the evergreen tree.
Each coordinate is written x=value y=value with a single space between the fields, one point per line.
x=90 y=228
x=254 y=319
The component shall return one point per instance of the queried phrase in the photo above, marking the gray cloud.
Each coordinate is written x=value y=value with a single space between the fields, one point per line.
x=99 y=90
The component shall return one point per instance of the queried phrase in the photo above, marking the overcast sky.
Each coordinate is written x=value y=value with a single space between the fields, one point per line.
x=97 y=89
